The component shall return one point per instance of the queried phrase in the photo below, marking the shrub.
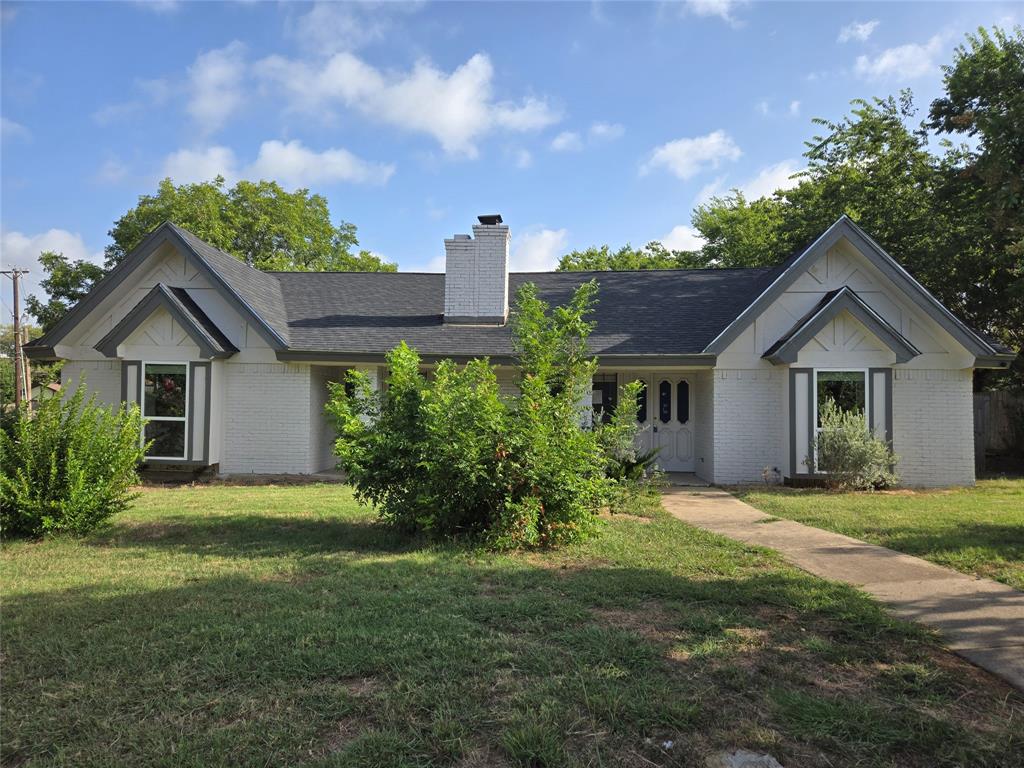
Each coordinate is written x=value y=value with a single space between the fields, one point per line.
x=451 y=456
x=849 y=454
x=68 y=466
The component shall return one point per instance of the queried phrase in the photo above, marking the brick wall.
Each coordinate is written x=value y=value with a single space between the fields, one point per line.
x=748 y=430
x=267 y=419
x=933 y=426
x=102 y=377
x=476 y=273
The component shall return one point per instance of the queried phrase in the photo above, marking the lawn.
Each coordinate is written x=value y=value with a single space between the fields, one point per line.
x=272 y=626
x=976 y=530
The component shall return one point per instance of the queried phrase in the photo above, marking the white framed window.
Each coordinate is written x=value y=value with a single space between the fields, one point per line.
x=165 y=403
x=847 y=387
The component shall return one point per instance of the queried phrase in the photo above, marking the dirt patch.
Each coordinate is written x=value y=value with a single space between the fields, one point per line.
x=340 y=735
x=650 y=621
x=482 y=757
x=606 y=515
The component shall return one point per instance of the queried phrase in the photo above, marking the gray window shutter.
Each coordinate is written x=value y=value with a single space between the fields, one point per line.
x=199 y=412
x=880 y=403
x=131 y=381
x=801 y=421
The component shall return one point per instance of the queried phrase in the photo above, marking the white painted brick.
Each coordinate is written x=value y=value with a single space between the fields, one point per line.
x=476 y=273
x=704 y=421
x=933 y=426
x=749 y=432
x=102 y=378
x=267 y=419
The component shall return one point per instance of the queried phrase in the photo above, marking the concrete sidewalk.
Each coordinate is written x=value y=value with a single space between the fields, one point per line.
x=979 y=619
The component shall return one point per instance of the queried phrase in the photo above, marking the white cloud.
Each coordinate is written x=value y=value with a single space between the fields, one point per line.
x=331 y=27
x=113 y=171
x=763 y=108
x=159 y=6
x=770 y=179
x=858 y=30
x=189 y=166
x=290 y=164
x=794 y=108
x=606 y=131
x=683 y=238
x=155 y=93
x=538 y=251
x=687 y=157
x=456 y=108
x=723 y=9
x=523 y=158
x=20 y=250
x=293 y=165
x=12 y=130
x=567 y=141
x=903 y=62
x=215 y=86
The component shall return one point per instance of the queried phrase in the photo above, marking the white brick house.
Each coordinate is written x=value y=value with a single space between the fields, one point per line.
x=231 y=364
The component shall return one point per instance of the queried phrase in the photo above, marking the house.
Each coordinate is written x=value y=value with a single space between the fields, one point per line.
x=231 y=364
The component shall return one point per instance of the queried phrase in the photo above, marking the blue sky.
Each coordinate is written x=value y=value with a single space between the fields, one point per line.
x=582 y=123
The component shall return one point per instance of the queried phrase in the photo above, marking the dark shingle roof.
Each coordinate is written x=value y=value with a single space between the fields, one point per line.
x=663 y=312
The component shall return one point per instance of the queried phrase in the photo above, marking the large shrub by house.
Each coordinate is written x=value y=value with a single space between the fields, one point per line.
x=68 y=466
x=450 y=455
x=849 y=455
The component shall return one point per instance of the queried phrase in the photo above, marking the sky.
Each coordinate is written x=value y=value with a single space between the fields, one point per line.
x=581 y=123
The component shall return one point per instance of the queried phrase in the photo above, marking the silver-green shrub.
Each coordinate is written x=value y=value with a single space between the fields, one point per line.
x=848 y=455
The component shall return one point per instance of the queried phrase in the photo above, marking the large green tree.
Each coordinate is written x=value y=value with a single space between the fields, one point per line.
x=258 y=222
x=654 y=255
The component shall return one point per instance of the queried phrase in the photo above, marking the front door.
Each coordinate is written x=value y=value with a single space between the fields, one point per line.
x=670 y=399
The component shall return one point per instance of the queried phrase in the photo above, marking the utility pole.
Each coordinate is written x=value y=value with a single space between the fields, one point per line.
x=19 y=371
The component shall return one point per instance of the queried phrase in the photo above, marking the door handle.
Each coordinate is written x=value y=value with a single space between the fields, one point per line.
x=655 y=427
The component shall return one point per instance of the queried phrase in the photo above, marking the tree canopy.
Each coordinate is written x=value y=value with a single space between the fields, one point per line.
x=652 y=256
x=256 y=221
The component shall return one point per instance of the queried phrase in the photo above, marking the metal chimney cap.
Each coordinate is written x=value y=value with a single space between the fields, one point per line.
x=490 y=219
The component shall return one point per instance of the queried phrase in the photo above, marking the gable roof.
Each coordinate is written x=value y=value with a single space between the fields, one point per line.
x=255 y=295
x=790 y=270
x=656 y=313
x=207 y=336
x=786 y=349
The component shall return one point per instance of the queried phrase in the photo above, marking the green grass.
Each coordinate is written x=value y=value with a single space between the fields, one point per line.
x=976 y=530
x=280 y=626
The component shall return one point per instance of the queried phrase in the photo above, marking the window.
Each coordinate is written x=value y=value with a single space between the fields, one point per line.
x=683 y=401
x=847 y=388
x=665 y=402
x=605 y=395
x=165 y=407
x=641 y=403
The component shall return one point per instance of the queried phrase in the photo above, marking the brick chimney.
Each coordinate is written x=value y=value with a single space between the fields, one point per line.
x=476 y=274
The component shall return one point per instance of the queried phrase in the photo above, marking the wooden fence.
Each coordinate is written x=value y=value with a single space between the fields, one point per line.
x=998 y=430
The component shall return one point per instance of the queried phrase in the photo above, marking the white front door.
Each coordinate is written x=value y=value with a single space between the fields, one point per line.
x=670 y=407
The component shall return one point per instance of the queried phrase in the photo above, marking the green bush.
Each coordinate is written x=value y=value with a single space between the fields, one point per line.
x=849 y=455
x=450 y=456
x=68 y=466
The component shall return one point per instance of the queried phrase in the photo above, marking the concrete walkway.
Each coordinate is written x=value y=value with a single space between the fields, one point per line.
x=979 y=619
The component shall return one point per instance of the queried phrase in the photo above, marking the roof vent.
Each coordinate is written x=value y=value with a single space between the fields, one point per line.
x=489 y=219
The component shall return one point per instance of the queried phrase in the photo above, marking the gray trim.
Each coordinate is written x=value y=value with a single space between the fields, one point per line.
x=208 y=419
x=787 y=348
x=33 y=352
x=625 y=361
x=844 y=227
x=161 y=296
x=812 y=423
x=999 y=361
x=471 y=320
x=162 y=234
x=124 y=378
x=192 y=412
x=173 y=462
x=794 y=460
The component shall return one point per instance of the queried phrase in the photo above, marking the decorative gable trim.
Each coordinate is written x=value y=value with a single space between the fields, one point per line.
x=785 y=350
x=44 y=347
x=208 y=337
x=845 y=228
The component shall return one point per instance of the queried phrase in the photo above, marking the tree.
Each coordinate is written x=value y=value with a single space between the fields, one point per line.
x=984 y=184
x=654 y=255
x=741 y=233
x=42 y=373
x=258 y=222
x=66 y=282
